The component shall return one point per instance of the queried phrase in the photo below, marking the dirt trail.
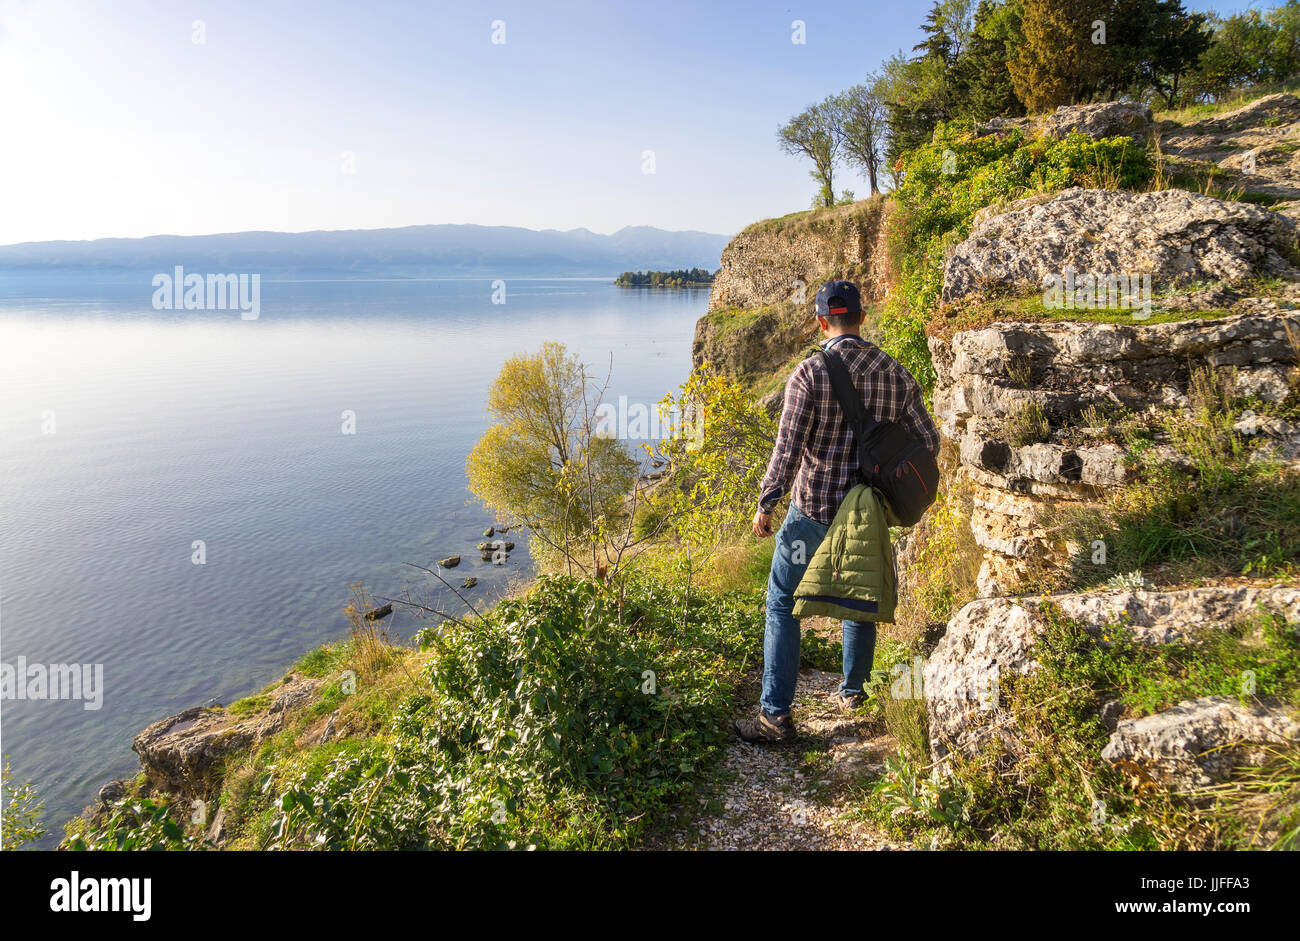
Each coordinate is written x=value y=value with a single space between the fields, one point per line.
x=793 y=796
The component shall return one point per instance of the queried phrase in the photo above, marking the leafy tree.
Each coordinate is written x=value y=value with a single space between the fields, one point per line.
x=1240 y=53
x=1285 y=47
x=948 y=28
x=1176 y=40
x=815 y=133
x=863 y=129
x=545 y=462
x=715 y=475
x=923 y=90
x=22 y=812
x=912 y=112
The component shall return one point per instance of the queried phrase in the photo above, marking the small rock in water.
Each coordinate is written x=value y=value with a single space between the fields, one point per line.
x=380 y=612
x=450 y=562
x=469 y=583
x=488 y=533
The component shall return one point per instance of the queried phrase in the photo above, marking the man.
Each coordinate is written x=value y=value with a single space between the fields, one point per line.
x=815 y=449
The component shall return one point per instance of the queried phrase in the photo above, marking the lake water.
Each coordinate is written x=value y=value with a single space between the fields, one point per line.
x=128 y=433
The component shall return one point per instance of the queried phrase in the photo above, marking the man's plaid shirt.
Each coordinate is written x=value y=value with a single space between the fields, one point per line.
x=815 y=446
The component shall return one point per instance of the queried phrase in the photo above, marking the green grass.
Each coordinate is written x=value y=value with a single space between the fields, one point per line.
x=1056 y=793
x=732 y=320
x=1233 y=101
x=322 y=661
x=821 y=221
x=1028 y=426
x=1230 y=512
x=249 y=704
x=1031 y=308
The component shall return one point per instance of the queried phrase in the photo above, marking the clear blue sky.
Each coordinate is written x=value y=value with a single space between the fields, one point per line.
x=116 y=123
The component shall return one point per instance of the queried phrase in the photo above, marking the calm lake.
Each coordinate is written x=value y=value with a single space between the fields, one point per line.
x=128 y=433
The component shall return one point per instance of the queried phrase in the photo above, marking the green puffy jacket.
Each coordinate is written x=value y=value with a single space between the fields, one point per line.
x=851 y=575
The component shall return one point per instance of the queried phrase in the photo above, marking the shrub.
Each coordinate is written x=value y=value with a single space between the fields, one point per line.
x=566 y=718
x=22 y=812
x=717 y=467
x=1028 y=426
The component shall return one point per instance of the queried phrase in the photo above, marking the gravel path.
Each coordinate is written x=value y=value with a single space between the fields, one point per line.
x=791 y=797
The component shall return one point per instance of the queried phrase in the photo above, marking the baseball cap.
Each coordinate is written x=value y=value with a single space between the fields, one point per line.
x=838 y=297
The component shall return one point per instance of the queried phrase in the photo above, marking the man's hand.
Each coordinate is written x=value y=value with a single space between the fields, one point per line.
x=762 y=524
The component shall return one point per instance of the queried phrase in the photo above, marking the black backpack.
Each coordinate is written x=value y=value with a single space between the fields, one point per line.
x=890 y=458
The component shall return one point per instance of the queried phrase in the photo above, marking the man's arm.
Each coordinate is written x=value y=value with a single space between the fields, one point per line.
x=797 y=415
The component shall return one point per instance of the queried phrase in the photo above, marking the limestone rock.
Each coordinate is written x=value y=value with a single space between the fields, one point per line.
x=182 y=753
x=1102 y=119
x=988 y=376
x=766 y=263
x=761 y=304
x=992 y=638
x=1199 y=742
x=1175 y=236
x=216 y=832
x=1282 y=436
x=1255 y=144
x=328 y=732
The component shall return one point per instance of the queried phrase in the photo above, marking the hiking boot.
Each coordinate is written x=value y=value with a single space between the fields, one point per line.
x=765 y=728
x=849 y=703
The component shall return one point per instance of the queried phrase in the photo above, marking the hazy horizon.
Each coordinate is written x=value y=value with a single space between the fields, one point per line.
x=382 y=228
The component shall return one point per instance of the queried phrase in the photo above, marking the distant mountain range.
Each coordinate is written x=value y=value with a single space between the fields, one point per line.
x=445 y=249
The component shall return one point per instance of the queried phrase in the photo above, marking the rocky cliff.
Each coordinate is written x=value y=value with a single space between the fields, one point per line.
x=761 y=307
x=1036 y=410
x=1068 y=374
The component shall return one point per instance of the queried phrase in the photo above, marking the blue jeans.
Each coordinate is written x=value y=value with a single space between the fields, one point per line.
x=796 y=542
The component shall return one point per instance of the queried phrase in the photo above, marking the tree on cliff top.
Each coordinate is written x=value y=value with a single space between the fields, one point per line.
x=1102 y=49
x=981 y=69
x=815 y=133
x=862 y=116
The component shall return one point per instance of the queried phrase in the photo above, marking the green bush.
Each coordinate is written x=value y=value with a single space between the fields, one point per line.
x=137 y=825
x=951 y=178
x=564 y=719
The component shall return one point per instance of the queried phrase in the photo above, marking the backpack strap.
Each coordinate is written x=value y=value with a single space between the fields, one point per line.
x=847 y=393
